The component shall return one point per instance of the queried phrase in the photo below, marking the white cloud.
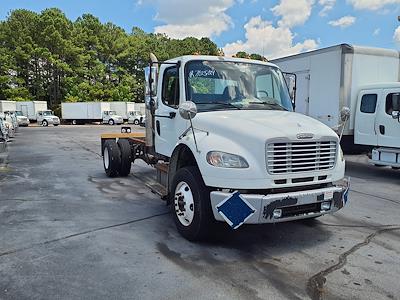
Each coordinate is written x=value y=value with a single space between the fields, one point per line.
x=327 y=5
x=293 y=13
x=371 y=4
x=183 y=18
x=343 y=22
x=396 y=35
x=376 y=32
x=263 y=38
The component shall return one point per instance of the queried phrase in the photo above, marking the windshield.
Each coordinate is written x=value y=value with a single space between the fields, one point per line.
x=219 y=85
x=112 y=113
x=47 y=113
x=18 y=113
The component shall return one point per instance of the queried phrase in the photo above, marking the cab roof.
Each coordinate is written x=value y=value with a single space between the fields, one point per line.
x=187 y=58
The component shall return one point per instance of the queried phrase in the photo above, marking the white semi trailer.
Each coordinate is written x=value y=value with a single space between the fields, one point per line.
x=87 y=112
x=227 y=146
x=366 y=80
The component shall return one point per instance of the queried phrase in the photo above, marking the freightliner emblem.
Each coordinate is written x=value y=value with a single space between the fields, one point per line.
x=305 y=136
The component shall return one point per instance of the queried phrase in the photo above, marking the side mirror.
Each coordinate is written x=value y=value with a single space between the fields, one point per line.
x=291 y=82
x=396 y=115
x=188 y=110
x=345 y=113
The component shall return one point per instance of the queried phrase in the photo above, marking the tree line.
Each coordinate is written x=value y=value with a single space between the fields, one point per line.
x=45 y=56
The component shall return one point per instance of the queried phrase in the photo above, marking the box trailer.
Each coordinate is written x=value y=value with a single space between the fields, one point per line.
x=6 y=105
x=87 y=112
x=356 y=91
x=331 y=78
x=122 y=108
x=30 y=109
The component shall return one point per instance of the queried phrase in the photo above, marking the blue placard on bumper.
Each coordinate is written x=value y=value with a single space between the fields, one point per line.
x=235 y=210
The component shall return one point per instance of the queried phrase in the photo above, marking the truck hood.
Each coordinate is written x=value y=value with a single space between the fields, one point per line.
x=261 y=124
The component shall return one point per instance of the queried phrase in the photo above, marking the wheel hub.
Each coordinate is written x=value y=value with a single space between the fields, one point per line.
x=184 y=203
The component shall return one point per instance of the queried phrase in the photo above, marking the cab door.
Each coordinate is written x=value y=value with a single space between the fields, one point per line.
x=168 y=125
x=365 y=121
x=389 y=127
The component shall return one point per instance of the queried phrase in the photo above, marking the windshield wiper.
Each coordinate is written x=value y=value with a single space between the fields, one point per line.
x=220 y=103
x=270 y=103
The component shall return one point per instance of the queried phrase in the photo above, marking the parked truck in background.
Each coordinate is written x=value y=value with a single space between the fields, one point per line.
x=122 y=108
x=136 y=117
x=30 y=109
x=88 y=112
x=366 y=80
x=276 y=166
x=21 y=119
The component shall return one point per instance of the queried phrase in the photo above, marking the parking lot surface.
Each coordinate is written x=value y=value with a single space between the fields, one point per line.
x=69 y=232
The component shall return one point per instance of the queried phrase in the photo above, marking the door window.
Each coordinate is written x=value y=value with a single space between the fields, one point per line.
x=392 y=103
x=368 y=103
x=170 y=91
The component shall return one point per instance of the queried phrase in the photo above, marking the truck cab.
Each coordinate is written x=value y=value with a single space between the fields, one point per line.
x=227 y=146
x=110 y=117
x=22 y=120
x=135 y=117
x=47 y=117
x=377 y=122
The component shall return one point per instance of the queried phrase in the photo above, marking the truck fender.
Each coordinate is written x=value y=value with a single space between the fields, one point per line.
x=182 y=156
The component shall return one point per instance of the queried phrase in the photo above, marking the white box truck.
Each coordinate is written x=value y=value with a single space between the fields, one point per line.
x=366 y=80
x=226 y=146
x=122 y=108
x=87 y=112
x=31 y=109
x=6 y=105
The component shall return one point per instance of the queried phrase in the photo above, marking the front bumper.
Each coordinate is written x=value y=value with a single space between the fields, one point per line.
x=23 y=122
x=292 y=205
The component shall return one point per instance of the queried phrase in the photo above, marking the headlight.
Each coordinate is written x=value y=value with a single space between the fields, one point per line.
x=226 y=160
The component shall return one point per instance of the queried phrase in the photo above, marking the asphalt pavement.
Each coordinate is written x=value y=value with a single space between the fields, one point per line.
x=69 y=232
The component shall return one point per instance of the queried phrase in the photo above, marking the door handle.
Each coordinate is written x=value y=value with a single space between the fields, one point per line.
x=170 y=116
x=158 y=127
x=382 y=129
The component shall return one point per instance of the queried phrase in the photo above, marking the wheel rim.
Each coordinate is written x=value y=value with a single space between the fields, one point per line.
x=44 y=123
x=106 y=159
x=184 y=204
x=136 y=122
x=111 y=122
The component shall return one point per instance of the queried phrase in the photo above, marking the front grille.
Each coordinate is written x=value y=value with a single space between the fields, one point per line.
x=298 y=157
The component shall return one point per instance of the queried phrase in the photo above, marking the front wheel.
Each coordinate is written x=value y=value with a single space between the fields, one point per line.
x=111 y=122
x=191 y=206
x=45 y=123
x=136 y=122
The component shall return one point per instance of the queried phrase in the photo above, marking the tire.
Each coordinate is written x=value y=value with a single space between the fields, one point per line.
x=111 y=122
x=111 y=158
x=126 y=157
x=136 y=122
x=74 y=122
x=195 y=224
x=45 y=123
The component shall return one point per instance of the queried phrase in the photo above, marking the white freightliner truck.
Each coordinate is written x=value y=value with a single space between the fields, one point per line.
x=88 y=112
x=31 y=109
x=226 y=146
x=366 y=80
x=122 y=108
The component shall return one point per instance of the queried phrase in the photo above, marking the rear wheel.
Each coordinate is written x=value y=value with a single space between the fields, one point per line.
x=74 y=122
x=126 y=157
x=111 y=158
x=191 y=206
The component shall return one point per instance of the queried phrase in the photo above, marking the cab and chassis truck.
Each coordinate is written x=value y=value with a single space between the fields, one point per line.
x=227 y=147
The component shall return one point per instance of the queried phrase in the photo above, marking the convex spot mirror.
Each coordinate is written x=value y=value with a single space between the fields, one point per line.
x=188 y=110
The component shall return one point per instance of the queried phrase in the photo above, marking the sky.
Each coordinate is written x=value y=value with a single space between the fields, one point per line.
x=272 y=28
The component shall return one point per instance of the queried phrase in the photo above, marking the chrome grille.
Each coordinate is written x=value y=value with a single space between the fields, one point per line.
x=296 y=157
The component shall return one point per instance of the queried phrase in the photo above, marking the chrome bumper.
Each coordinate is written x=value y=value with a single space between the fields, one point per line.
x=291 y=205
